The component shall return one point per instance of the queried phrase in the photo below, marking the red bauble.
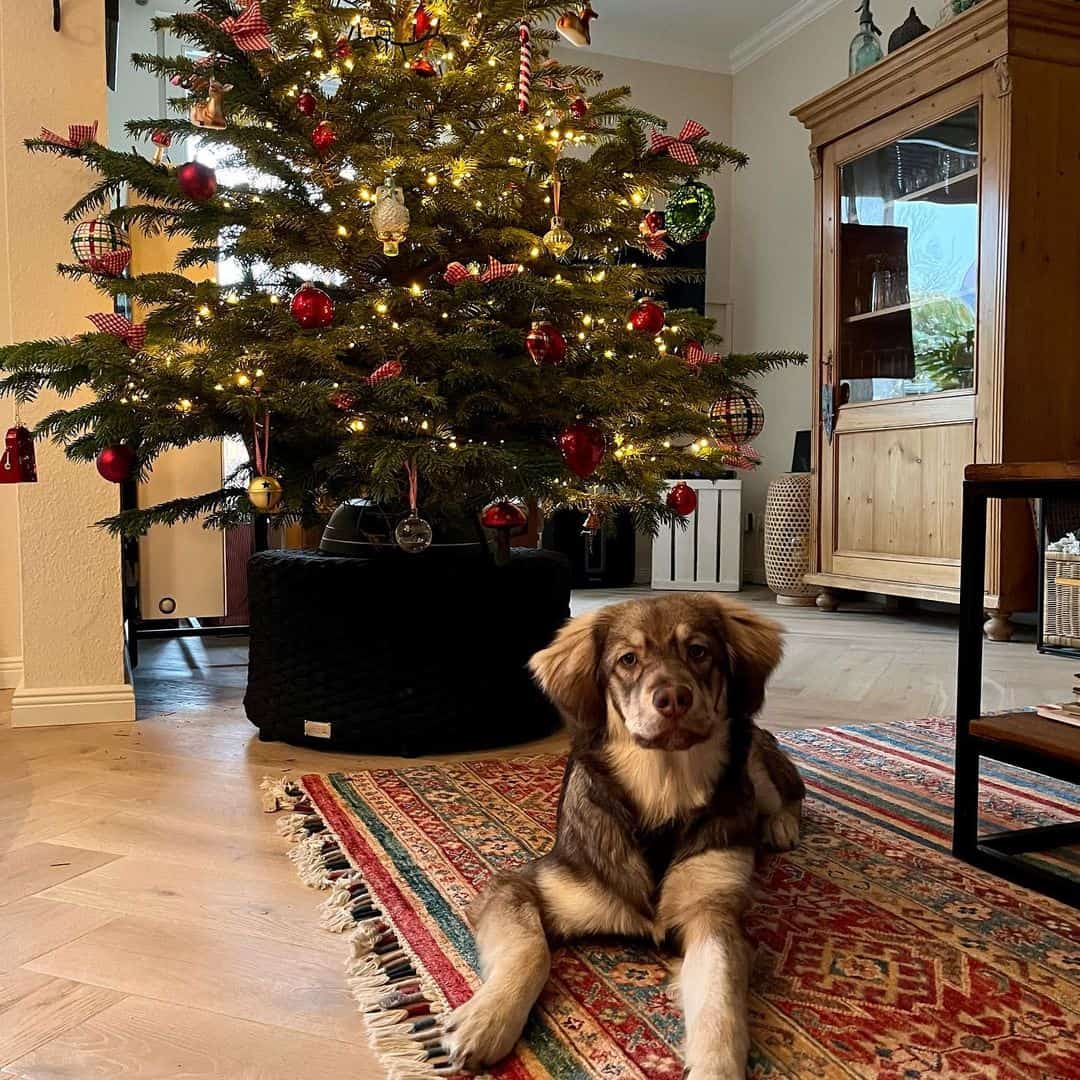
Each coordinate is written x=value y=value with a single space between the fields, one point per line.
x=307 y=103
x=503 y=515
x=324 y=136
x=342 y=49
x=579 y=107
x=423 y=67
x=647 y=317
x=682 y=498
x=197 y=181
x=582 y=448
x=115 y=463
x=545 y=344
x=311 y=307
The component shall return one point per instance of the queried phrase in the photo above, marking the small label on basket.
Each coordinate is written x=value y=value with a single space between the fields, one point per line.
x=317 y=729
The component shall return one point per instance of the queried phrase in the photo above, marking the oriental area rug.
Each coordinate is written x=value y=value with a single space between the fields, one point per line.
x=878 y=955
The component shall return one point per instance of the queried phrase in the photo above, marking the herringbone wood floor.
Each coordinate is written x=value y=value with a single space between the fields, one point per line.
x=150 y=925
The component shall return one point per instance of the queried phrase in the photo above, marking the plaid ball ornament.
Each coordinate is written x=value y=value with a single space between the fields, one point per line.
x=739 y=417
x=101 y=246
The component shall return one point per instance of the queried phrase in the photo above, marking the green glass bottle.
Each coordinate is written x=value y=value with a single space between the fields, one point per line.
x=865 y=48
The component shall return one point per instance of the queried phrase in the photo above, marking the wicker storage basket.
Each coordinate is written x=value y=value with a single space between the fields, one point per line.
x=1061 y=600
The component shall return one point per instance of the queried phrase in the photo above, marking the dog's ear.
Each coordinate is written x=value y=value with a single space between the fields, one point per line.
x=568 y=669
x=755 y=646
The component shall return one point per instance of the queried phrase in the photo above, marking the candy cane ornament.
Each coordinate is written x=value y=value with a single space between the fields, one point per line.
x=524 y=69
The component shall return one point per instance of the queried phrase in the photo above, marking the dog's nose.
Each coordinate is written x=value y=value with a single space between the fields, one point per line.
x=673 y=702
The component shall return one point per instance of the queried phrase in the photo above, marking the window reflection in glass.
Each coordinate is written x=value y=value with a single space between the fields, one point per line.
x=909 y=263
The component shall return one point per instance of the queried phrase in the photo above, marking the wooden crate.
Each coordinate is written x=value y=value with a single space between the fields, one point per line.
x=705 y=553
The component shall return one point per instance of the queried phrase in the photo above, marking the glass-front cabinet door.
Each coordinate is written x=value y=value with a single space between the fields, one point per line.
x=908 y=267
x=902 y=221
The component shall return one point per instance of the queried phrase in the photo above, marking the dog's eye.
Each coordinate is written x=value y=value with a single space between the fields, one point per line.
x=628 y=659
x=697 y=652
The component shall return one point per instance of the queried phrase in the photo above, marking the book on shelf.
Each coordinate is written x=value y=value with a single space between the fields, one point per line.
x=1068 y=713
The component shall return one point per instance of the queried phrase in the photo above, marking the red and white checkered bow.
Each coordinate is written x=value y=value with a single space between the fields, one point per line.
x=739 y=456
x=77 y=135
x=112 y=263
x=132 y=334
x=457 y=272
x=390 y=370
x=249 y=29
x=696 y=355
x=681 y=146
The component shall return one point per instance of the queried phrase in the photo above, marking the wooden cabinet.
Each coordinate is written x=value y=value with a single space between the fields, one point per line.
x=946 y=299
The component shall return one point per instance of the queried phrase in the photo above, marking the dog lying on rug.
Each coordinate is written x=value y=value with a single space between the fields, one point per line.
x=668 y=790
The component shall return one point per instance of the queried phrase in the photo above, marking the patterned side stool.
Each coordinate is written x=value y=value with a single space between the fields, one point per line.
x=787 y=540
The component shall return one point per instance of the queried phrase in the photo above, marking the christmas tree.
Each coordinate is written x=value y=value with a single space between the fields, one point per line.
x=447 y=244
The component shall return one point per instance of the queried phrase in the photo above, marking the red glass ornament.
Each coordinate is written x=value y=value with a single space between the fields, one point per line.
x=582 y=448
x=197 y=181
x=423 y=67
x=18 y=464
x=307 y=103
x=579 y=107
x=682 y=498
x=647 y=317
x=545 y=344
x=342 y=49
x=115 y=463
x=311 y=307
x=324 y=136
x=503 y=515
x=422 y=22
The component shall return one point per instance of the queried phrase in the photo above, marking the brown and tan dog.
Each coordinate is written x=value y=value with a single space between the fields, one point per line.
x=668 y=789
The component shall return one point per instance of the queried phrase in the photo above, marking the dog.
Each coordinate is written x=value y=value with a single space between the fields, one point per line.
x=668 y=790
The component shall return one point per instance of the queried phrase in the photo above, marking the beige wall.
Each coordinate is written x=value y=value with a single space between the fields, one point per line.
x=58 y=572
x=771 y=225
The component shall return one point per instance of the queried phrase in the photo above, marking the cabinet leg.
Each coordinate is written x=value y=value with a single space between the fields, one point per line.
x=998 y=627
x=827 y=600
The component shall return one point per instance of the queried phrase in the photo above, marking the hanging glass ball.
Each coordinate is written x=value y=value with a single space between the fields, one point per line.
x=558 y=239
x=413 y=534
x=545 y=344
x=691 y=210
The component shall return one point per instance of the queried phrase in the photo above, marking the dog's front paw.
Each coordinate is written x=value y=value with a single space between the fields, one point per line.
x=482 y=1032
x=780 y=831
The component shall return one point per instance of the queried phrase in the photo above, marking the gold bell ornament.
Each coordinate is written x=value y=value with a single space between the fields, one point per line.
x=390 y=217
x=264 y=491
x=210 y=113
x=558 y=239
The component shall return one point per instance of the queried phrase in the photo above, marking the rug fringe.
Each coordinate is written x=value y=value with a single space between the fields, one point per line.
x=400 y=1005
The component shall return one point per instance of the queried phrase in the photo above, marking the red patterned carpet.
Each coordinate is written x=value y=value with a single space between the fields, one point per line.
x=878 y=954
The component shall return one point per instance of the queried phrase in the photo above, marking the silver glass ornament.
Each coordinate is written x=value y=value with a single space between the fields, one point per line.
x=413 y=534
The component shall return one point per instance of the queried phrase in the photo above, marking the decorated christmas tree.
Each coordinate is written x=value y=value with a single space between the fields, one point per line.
x=446 y=253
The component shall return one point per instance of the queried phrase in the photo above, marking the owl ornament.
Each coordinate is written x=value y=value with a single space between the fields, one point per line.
x=390 y=217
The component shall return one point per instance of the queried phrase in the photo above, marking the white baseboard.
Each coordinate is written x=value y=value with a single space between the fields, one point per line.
x=52 y=705
x=10 y=672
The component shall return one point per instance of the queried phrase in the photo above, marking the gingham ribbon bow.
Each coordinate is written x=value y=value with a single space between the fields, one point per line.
x=390 y=370
x=77 y=135
x=131 y=334
x=111 y=263
x=696 y=355
x=457 y=272
x=681 y=146
x=249 y=29
x=739 y=456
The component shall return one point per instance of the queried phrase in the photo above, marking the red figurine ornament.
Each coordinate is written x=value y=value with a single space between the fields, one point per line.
x=582 y=448
x=197 y=181
x=682 y=498
x=311 y=307
x=324 y=136
x=579 y=108
x=17 y=463
x=115 y=463
x=545 y=344
x=647 y=318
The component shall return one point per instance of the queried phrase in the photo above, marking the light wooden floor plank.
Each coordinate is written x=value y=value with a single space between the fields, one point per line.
x=28 y=870
x=32 y=926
